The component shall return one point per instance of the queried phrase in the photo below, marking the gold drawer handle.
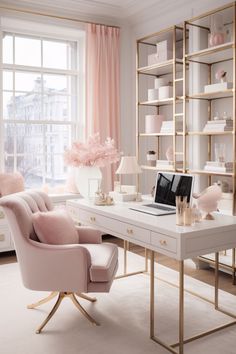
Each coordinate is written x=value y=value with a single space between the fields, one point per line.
x=2 y=237
x=92 y=218
x=163 y=242
x=130 y=231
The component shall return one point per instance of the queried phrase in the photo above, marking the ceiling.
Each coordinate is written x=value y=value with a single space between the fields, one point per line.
x=113 y=9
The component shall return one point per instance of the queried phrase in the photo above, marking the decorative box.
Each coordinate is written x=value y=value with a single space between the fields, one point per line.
x=153 y=123
x=153 y=94
x=160 y=81
x=164 y=46
x=221 y=86
x=165 y=92
x=159 y=57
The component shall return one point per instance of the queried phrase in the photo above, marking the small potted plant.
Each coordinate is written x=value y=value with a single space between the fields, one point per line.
x=151 y=158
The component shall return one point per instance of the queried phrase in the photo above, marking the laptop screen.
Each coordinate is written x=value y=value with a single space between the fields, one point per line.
x=169 y=185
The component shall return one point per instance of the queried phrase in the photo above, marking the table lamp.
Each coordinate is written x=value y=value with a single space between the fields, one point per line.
x=128 y=165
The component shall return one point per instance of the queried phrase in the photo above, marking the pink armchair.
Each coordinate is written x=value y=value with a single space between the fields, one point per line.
x=65 y=270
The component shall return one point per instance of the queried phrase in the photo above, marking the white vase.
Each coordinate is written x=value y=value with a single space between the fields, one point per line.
x=88 y=180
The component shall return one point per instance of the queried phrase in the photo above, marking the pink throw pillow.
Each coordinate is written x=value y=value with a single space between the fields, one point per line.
x=11 y=183
x=55 y=227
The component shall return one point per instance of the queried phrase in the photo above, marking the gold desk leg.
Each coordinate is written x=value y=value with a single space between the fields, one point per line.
x=216 y=280
x=152 y=295
x=181 y=307
x=125 y=257
x=43 y=301
x=146 y=260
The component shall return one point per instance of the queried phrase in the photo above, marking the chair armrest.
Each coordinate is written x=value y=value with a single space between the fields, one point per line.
x=89 y=235
x=54 y=267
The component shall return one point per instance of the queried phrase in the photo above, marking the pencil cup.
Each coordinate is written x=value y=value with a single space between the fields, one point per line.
x=181 y=204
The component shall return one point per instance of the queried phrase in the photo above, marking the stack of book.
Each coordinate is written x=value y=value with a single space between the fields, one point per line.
x=168 y=165
x=168 y=126
x=220 y=125
x=215 y=166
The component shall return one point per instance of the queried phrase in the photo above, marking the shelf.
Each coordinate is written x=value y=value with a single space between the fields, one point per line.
x=212 y=95
x=161 y=134
x=163 y=68
x=164 y=102
x=211 y=133
x=203 y=172
x=212 y=55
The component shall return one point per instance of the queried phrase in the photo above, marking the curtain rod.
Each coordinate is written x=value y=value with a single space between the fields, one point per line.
x=53 y=16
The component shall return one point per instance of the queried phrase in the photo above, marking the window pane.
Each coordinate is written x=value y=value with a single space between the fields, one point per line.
x=30 y=139
x=30 y=166
x=57 y=83
x=28 y=106
x=56 y=107
x=56 y=173
x=9 y=136
x=7 y=48
x=30 y=82
x=9 y=164
x=27 y=51
x=8 y=105
x=57 y=138
x=7 y=80
x=58 y=50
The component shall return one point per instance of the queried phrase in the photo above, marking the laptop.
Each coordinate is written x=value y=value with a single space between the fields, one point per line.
x=168 y=186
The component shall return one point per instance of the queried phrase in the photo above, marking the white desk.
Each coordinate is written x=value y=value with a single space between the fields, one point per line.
x=160 y=234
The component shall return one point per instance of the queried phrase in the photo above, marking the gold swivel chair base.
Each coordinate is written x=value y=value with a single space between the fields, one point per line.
x=60 y=297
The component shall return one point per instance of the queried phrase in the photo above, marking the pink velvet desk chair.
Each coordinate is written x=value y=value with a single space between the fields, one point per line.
x=66 y=270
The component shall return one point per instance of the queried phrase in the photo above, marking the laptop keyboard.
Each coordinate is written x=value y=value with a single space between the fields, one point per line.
x=159 y=207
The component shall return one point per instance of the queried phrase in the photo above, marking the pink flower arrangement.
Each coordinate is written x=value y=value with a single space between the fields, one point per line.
x=220 y=74
x=92 y=152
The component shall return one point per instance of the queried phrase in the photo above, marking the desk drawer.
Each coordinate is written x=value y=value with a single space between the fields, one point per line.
x=164 y=242
x=115 y=226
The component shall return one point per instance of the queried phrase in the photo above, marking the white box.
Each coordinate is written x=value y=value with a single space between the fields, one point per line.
x=153 y=94
x=160 y=81
x=164 y=46
x=221 y=86
x=159 y=57
x=153 y=123
x=123 y=197
x=165 y=92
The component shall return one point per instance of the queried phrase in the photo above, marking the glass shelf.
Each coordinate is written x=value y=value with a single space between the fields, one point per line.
x=203 y=172
x=212 y=95
x=223 y=52
x=211 y=133
x=163 y=68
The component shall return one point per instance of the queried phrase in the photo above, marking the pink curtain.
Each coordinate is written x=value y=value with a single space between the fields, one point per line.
x=103 y=88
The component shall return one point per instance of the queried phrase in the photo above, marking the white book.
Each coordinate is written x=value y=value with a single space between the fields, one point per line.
x=220 y=164
x=221 y=121
x=217 y=169
x=216 y=128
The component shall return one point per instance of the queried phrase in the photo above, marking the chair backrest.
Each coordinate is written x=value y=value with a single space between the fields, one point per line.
x=19 y=208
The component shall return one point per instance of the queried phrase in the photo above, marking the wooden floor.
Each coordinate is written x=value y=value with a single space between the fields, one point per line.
x=204 y=275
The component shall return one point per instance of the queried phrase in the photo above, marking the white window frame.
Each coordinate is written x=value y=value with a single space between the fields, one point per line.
x=45 y=31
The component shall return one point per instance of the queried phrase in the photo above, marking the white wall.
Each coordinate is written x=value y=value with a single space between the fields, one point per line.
x=173 y=12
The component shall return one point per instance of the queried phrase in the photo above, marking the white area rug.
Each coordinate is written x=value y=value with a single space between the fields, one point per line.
x=123 y=314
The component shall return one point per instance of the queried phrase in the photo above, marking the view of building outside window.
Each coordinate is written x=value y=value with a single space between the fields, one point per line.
x=40 y=81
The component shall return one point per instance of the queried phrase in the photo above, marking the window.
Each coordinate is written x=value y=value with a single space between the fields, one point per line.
x=40 y=105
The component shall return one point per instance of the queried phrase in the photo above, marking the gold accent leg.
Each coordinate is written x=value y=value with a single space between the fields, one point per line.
x=81 y=309
x=86 y=297
x=216 y=280
x=152 y=294
x=181 y=307
x=43 y=301
x=54 y=309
